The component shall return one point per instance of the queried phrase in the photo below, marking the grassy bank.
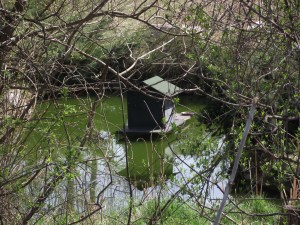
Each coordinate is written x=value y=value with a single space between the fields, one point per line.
x=256 y=210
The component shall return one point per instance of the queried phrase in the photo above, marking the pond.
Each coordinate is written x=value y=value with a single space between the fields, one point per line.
x=177 y=163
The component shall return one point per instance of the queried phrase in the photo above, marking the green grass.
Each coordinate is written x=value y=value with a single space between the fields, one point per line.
x=177 y=212
x=254 y=210
x=180 y=212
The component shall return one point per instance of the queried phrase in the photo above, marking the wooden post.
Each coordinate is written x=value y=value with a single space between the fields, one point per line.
x=293 y=212
x=293 y=215
x=236 y=161
x=256 y=173
x=295 y=189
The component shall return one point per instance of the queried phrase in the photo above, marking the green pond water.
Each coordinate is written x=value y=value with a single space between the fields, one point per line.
x=63 y=124
x=60 y=127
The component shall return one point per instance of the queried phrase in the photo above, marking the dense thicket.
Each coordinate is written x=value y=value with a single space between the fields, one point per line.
x=230 y=51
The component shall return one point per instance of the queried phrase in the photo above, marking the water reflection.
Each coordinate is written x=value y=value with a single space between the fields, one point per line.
x=155 y=169
x=157 y=166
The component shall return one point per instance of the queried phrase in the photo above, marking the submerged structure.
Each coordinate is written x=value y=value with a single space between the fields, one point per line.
x=152 y=110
